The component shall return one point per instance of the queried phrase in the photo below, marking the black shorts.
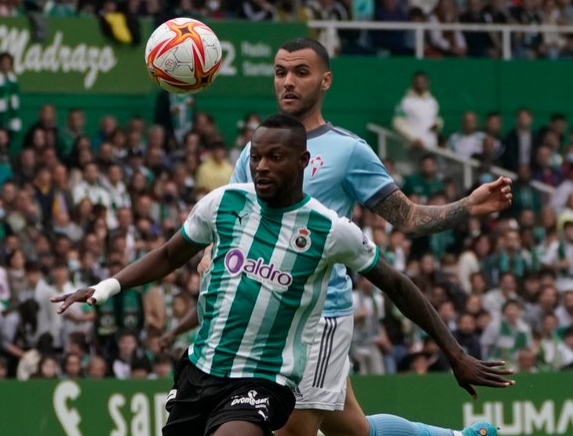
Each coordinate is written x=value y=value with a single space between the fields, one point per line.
x=204 y=402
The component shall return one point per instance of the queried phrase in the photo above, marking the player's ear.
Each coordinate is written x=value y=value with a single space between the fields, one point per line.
x=304 y=159
x=326 y=81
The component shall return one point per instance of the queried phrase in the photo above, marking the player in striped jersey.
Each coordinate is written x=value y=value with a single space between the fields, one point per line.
x=274 y=248
x=343 y=171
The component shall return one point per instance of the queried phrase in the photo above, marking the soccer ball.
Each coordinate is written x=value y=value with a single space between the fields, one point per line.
x=183 y=56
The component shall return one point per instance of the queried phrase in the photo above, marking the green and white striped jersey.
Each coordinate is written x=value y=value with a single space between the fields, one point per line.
x=262 y=296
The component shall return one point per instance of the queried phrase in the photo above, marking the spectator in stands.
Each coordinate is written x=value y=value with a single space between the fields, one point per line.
x=416 y=117
x=216 y=170
x=10 y=92
x=466 y=334
x=246 y=128
x=527 y=361
x=368 y=309
x=426 y=182
x=495 y=298
x=47 y=125
x=91 y=188
x=258 y=10
x=28 y=363
x=97 y=368
x=518 y=145
x=549 y=341
x=108 y=126
x=507 y=334
x=119 y=22
x=545 y=171
x=174 y=112
x=495 y=12
x=566 y=10
x=18 y=332
x=493 y=127
x=392 y=41
x=565 y=351
x=327 y=10
x=127 y=344
x=469 y=140
x=558 y=125
x=564 y=311
x=527 y=44
x=471 y=260
x=71 y=366
x=479 y=43
x=547 y=301
x=162 y=366
x=48 y=368
x=446 y=43
x=525 y=197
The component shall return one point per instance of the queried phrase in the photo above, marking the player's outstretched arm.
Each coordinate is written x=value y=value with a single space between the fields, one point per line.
x=153 y=266
x=409 y=299
x=418 y=220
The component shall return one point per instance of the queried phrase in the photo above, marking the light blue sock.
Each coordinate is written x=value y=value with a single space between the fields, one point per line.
x=392 y=425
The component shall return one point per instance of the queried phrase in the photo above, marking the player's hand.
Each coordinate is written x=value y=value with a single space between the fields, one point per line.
x=491 y=197
x=83 y=295
x=166 y=339
x=470 y=372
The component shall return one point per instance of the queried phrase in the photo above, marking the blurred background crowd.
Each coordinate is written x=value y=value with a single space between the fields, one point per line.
x=76 y=206
x=119 y=19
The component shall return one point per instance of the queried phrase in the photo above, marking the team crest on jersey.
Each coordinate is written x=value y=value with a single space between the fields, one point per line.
x=301 y=240
x=315 y=164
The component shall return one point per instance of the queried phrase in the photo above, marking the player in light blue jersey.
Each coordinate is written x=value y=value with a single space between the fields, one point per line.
x=261 y=298
x=343 y=171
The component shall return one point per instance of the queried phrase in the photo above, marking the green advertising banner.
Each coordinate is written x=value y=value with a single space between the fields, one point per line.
x=248 y=55
x=75 y=57
x=539 y=405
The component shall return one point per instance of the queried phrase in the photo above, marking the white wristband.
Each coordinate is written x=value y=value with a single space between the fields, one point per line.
x=105 y=289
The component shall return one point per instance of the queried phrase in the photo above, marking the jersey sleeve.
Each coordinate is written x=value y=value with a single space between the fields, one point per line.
x=198 y=227
x=241 y=173
x=352 y=248
x=367 y=179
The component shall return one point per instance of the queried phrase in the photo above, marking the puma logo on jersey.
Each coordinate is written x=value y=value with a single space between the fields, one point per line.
x=315 y=164
x=239 y=217
x=236 y=263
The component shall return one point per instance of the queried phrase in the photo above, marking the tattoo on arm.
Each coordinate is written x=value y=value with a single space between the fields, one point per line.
x=419 y=220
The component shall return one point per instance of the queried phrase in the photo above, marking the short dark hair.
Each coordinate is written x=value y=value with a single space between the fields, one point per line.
x=284 y=121
x=304 y=43
x=558 y=116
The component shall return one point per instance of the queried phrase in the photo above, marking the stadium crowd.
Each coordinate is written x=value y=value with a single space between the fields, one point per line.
x=77 y=206
x=120 y=20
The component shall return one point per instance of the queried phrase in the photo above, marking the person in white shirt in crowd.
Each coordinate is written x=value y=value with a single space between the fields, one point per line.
x=469 y=140
x=564 y=311
x=470 y=261
x=368 y=304
x=126 y=345
x=506 y=334
x=416 y=117
x=494 y=299
x=48 y=319
x=116 y=188
x=91 y=188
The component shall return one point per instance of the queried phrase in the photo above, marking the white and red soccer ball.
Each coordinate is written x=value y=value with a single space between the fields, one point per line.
x=183 y=56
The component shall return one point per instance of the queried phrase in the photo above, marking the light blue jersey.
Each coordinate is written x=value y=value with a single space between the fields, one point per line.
x=343 y=170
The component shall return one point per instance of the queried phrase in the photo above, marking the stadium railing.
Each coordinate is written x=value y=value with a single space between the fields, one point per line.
x=330 y=29
x=470 y=167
